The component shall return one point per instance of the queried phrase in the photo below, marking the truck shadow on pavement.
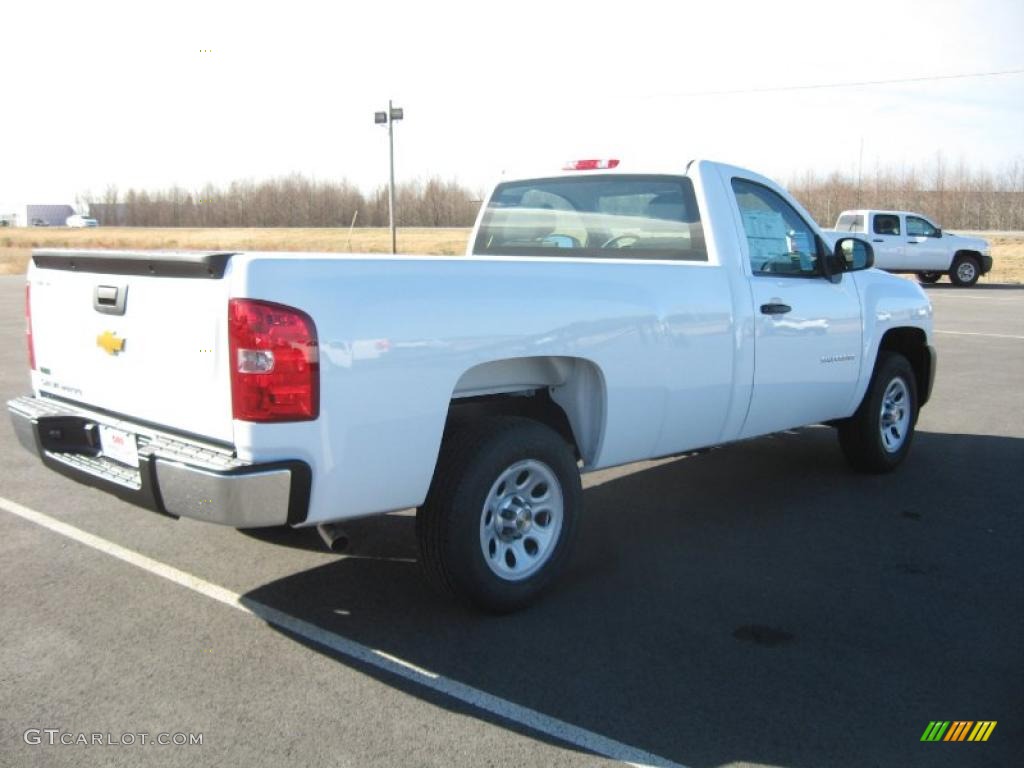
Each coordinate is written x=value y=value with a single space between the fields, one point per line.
x=757 y=603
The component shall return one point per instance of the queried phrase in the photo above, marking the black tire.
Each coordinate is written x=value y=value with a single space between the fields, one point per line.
x=929 y=277
x=965 y=271
x=452 y=523
x=861 y=436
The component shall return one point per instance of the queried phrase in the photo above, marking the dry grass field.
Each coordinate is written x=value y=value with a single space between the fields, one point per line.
x=16 y=244
x=1008 y=257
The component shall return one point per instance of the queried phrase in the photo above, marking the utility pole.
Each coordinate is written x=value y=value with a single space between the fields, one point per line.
x=389 y=117
x=860 y=169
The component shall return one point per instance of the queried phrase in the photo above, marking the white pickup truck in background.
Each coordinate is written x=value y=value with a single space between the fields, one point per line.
x=602 y=315
x=909 y=242
x=80 y=220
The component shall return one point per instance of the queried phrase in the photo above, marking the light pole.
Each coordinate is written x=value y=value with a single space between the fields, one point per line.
x=389 y=117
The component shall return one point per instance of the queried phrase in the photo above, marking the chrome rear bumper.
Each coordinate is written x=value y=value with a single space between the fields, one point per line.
x=176 y=476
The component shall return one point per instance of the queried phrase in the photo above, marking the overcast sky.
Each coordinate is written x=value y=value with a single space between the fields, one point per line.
x=125 y=93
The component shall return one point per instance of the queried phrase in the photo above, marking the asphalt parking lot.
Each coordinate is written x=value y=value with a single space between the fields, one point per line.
x=757 y=604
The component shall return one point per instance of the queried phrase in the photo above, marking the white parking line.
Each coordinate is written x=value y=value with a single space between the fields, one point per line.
x=530 y=718
x=974 y=333
x=947 y=295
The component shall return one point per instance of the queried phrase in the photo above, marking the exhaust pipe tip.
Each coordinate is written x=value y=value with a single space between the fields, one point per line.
x=333 y=536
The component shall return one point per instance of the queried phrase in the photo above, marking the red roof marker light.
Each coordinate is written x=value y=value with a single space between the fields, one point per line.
x=589 y=165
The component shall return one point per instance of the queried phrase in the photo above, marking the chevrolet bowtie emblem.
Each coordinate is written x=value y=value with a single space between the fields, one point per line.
x=109 y=342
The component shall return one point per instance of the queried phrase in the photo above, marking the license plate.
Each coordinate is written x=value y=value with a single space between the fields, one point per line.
x=119 y=446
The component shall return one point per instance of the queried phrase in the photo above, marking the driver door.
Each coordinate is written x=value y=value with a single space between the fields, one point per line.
x=924 y=246
x=807 y=328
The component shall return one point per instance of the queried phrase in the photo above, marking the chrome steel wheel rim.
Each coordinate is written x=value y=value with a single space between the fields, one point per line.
x=521 y=520
x=965 y=271
x=895 y=415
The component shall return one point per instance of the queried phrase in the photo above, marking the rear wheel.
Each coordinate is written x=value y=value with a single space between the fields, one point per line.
x=929 y=277
x=500 y=517
x=878 y=436
x=965 y=271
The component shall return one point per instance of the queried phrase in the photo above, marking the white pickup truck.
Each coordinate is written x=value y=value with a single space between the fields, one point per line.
x=909 y=242
x=602 y=315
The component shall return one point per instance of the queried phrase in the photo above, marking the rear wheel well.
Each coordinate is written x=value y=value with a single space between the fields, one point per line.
x=529 y=404
x=567 y=394
x=913 y=345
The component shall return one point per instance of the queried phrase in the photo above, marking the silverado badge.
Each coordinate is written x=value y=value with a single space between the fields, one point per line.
x=109 y=342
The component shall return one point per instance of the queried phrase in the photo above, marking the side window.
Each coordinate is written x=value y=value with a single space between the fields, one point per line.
x=918 y=227
x=780 y=241
x=887 y=224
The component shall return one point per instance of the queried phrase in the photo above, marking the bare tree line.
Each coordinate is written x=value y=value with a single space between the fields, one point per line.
x=954 y=196
x=290 y=201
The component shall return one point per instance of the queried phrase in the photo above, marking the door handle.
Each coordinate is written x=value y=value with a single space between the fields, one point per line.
x=911 y=242
x=775 y=309
x=878 y=240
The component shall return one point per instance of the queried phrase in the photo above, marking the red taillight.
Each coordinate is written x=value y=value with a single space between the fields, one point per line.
x=275 y=368
x=28 y=327
x=589 y=165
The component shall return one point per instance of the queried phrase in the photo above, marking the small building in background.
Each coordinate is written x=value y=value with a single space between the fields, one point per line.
x=48 y=215
x=33 y=215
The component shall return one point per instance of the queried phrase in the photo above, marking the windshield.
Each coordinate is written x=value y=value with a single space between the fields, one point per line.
x=611 y=216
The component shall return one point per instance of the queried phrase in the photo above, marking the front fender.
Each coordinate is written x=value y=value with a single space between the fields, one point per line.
x=888 y=302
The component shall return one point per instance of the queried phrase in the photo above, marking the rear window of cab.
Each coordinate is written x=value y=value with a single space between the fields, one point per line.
x=850 y=222
x=606 y=216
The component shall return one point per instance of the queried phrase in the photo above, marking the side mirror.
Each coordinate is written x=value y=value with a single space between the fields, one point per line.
x=853 y=254
x=938 y=231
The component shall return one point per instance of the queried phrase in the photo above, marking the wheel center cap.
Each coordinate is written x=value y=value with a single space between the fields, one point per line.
x=514 y=518
x=891 y=412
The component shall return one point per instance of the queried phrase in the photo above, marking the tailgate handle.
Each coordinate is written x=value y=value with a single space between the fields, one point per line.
x=110 y=299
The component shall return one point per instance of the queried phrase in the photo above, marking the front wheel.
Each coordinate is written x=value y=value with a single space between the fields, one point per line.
x=878 y=436
x=500 y=517
x=965 y=271
x=929 y=277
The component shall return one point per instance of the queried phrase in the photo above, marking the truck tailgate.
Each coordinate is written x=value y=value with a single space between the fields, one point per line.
x=140 y=334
